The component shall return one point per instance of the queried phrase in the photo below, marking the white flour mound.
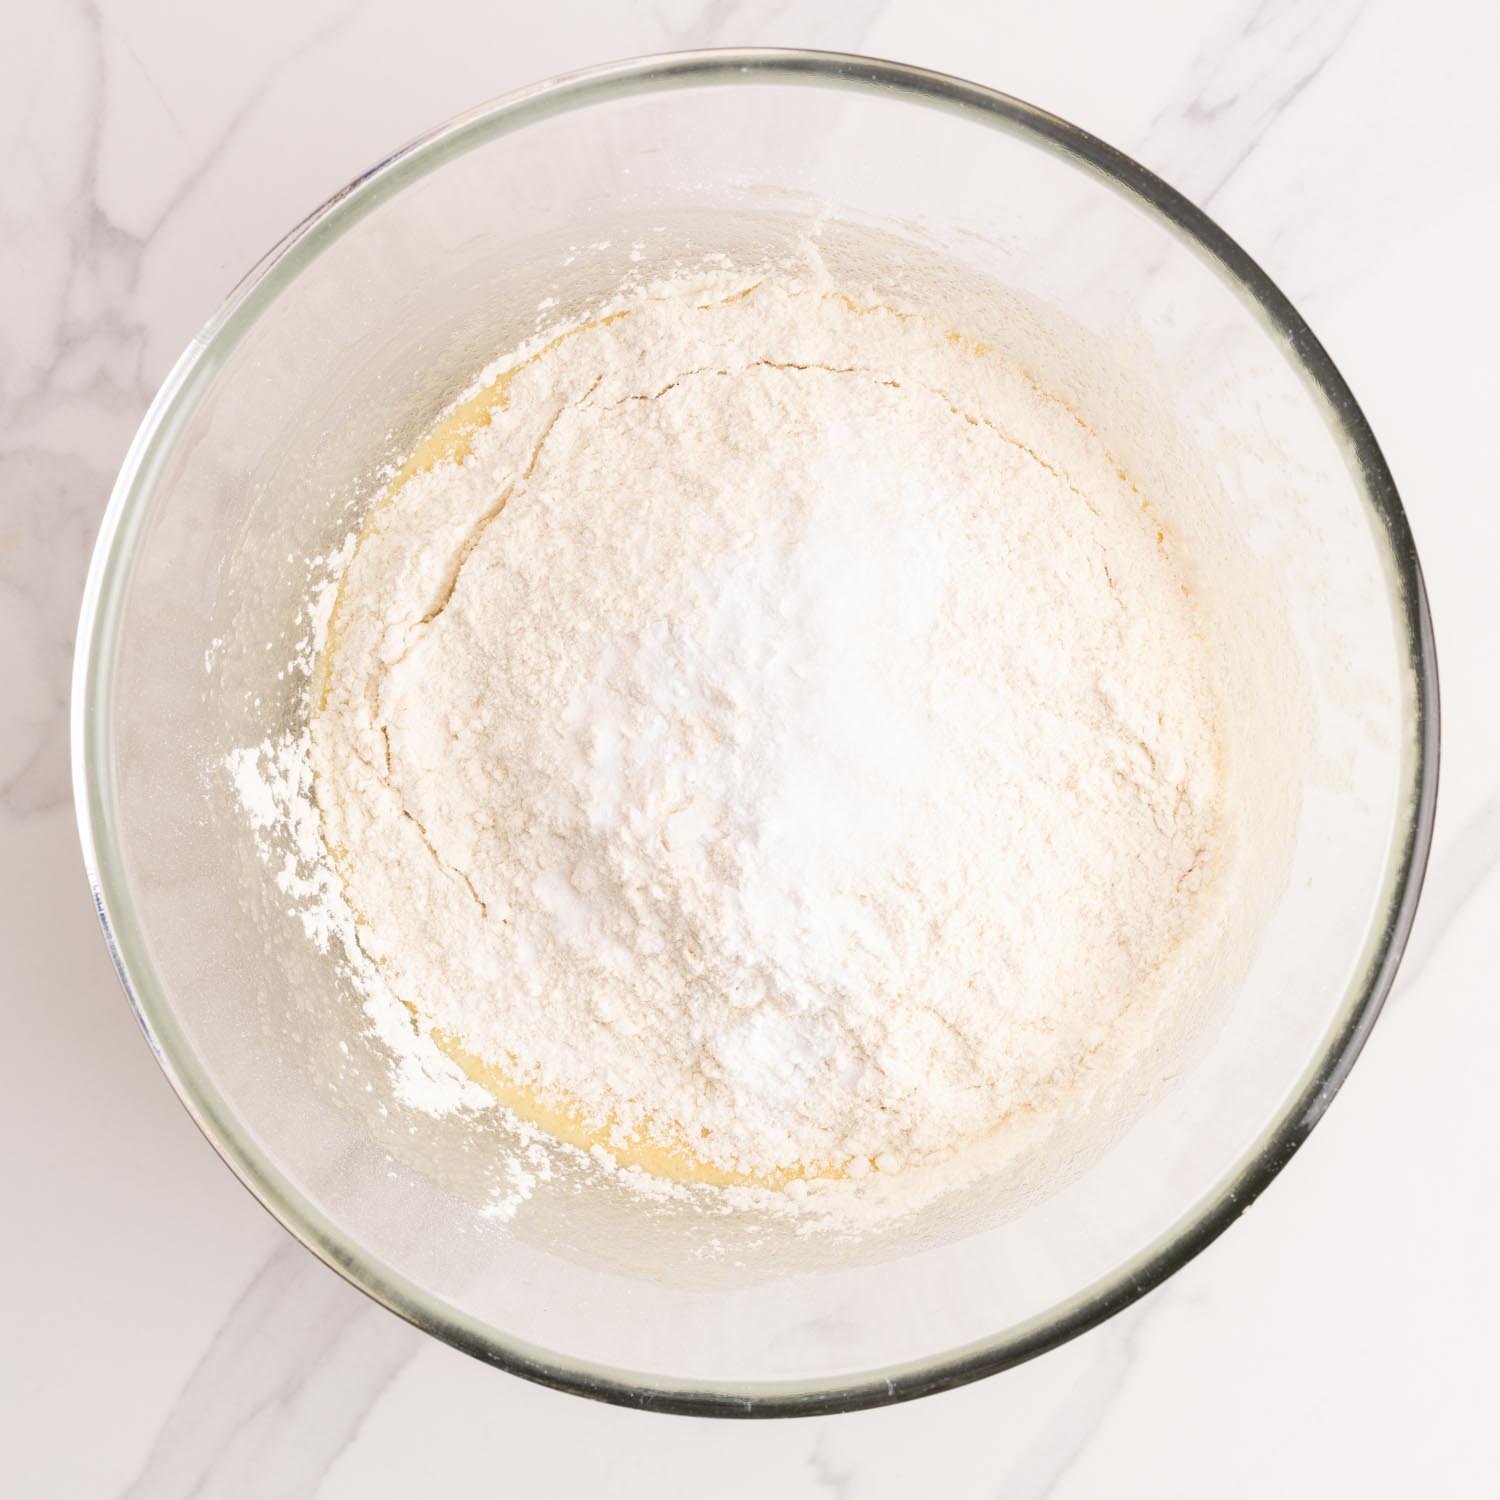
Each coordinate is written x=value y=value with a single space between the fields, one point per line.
x=784 y=738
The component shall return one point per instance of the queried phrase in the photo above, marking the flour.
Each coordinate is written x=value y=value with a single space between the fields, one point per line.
x=776 y=745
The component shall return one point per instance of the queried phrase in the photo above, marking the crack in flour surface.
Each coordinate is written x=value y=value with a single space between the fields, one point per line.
x=771 y=741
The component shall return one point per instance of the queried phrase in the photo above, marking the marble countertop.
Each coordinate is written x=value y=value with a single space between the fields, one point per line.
x=165 y=1339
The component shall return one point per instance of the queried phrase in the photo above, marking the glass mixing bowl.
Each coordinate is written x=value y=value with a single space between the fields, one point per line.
x=344 y=344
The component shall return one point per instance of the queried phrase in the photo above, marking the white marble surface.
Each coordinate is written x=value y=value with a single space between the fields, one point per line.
x=164 y=1339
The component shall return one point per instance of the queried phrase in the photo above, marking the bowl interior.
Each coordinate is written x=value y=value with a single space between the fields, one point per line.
x=331 y=361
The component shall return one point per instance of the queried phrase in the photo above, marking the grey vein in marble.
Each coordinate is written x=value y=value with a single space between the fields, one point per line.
x=281 y=1391
x=66 y=416
x=1241 y=86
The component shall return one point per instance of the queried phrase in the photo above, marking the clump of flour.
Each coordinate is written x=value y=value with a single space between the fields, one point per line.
x=778 y=745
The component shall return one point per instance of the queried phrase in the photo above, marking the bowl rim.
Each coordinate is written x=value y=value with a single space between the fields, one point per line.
x=93 y=781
